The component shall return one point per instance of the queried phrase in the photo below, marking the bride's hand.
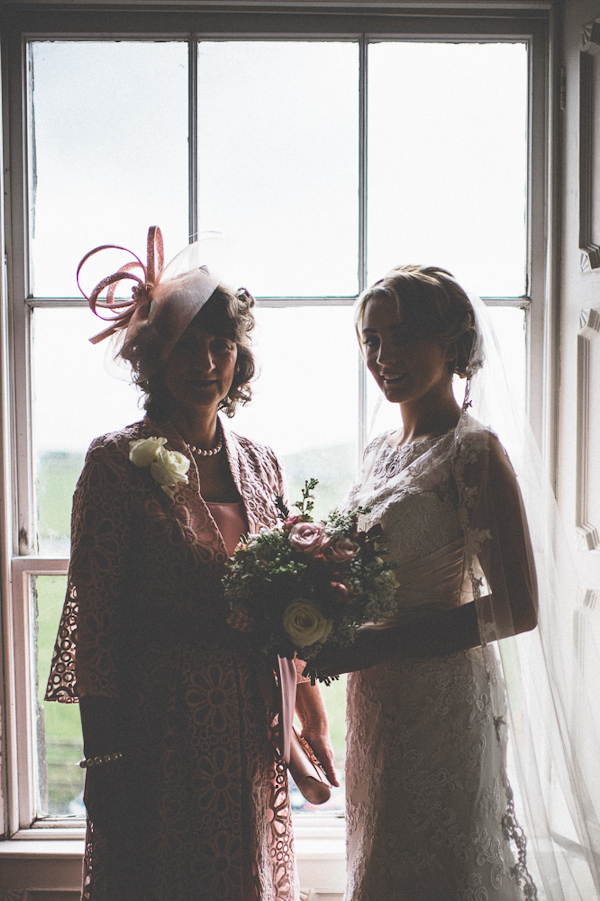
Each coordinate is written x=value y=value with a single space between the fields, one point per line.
x=363 y=653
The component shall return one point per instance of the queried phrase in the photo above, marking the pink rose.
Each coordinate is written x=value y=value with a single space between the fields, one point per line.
x=290 y=521
x=343 y=549
x=308 y=537
x=340 y=591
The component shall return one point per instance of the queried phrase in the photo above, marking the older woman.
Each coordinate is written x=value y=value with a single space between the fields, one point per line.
x=186 y=792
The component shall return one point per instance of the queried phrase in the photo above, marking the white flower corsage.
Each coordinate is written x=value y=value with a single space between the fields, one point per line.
x=167 y=468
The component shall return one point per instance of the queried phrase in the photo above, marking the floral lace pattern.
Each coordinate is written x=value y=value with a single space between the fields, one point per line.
x=208 y=797
x=428 y=803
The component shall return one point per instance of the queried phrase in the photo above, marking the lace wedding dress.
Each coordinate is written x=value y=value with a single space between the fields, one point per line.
x=429 y=811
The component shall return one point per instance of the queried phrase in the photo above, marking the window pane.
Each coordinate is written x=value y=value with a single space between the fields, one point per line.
x=60 y=745
x=448 y=161
x=278 y=162
x=74 y=400
x=305 y=400
x=108 y=151
x=305 y=405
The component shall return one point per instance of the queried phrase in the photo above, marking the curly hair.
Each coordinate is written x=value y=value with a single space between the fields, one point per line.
x=433 y=304
x=227 y=314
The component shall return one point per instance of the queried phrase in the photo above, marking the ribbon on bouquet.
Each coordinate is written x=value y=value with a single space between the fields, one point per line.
x=288 y=679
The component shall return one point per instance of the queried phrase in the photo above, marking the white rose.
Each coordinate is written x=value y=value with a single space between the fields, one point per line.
x=169 y=468
x=305 y=624
x=144 y=451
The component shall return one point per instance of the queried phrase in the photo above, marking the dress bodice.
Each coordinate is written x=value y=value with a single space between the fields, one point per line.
x=410 y=492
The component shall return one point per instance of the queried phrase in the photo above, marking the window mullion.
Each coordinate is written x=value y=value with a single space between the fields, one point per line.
x=362 y=164
x=193 y=136
x=362 y=225
x=23 y=540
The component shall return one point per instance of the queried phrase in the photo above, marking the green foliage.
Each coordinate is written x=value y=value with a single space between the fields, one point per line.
x=335 y=702
x=60 y=743
x=334 y=466
x=307 y=504
x=56 y=477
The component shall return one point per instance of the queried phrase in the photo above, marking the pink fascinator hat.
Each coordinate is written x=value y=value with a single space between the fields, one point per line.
x=148 y=325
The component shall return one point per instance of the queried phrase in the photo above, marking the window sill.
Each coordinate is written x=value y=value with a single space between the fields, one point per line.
x=42 y=848
x=315 y=838
x=42 y=857
x=319 y=837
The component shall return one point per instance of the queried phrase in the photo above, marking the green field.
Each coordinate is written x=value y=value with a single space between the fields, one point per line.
x=59 y=741
x=56 y=477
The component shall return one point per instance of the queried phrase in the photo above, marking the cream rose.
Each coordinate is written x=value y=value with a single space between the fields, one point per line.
x=305 y=624
x=169 y=468
x=343 y=549
x=144 y=451
x=308 y=537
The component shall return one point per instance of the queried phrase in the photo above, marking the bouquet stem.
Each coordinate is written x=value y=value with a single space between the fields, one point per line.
x=313 y=675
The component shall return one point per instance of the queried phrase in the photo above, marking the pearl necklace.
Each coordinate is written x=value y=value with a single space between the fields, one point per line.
x=211 y=452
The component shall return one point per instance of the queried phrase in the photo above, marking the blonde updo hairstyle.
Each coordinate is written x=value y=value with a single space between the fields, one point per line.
x=432 y=304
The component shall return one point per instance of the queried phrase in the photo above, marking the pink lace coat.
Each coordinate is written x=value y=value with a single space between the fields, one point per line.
x=142 y=623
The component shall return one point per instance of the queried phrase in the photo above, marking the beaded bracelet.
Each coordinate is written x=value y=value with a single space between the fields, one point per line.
x=97 y=761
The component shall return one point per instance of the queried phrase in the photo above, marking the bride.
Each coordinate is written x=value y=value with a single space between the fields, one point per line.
x=429 y=805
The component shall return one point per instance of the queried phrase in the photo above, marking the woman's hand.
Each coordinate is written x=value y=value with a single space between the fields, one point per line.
x=104 y=797
x=315 y=727
x=107 y=784
x=320 y=742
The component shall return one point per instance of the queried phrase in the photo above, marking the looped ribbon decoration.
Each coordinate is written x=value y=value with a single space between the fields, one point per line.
x=121 y=312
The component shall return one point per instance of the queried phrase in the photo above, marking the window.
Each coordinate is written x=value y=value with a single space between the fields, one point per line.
x=308 y=162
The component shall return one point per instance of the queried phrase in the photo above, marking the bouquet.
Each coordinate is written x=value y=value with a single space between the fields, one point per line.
x=302 y=584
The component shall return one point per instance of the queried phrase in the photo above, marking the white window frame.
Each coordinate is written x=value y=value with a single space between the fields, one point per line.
x=322 y=837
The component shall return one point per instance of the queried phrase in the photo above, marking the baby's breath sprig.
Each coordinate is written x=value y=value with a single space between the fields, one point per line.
x=339 y=521
x=307 y=504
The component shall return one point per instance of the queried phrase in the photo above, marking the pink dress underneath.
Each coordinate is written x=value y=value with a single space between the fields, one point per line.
x=231 y=522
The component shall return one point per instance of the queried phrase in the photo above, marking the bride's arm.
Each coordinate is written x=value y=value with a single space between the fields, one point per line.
x=443 y=632
x=506 y=558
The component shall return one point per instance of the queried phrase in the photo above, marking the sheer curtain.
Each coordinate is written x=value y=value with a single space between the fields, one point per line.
x=554 y=723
